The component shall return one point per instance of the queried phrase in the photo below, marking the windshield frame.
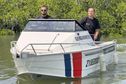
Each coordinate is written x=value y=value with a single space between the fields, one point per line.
x=65 y=20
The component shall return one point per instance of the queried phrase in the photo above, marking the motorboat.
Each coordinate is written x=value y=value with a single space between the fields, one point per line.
x=60 y=48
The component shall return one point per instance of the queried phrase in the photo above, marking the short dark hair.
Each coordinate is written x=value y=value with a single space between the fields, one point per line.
x=44 y=6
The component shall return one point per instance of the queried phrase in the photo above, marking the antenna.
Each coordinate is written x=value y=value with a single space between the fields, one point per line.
x=53 y=41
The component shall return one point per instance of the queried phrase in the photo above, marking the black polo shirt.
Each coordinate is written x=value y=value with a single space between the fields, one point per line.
x=90 y=24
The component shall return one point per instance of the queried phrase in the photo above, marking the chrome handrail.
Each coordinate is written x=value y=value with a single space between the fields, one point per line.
x=13 y=43
x=61 y=44
x=33 y=49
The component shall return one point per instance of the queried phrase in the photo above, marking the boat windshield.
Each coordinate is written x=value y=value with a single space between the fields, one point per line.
x=53 y=25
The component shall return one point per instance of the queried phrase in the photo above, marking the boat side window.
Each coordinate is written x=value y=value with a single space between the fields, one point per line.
x=78 y=28
x=59 y=26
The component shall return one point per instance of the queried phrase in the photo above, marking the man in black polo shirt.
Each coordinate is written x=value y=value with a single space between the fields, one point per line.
x=91 y=24
x=44 y=13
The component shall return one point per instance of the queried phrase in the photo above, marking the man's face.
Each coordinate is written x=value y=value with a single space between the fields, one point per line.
x=91 y=12
x=44 y=11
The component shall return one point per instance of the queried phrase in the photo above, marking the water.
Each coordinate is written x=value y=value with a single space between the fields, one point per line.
x=113 y=75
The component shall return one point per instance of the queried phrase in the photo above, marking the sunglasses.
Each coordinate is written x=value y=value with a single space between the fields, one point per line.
x=43 y=10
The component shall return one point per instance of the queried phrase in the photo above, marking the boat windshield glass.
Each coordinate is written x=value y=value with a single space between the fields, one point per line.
x=50 y=25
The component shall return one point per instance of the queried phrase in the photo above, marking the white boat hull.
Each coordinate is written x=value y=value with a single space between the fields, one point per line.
x=71 y=65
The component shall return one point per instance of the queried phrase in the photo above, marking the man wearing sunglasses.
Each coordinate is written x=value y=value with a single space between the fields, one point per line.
x=44 y=13
x=91 y=24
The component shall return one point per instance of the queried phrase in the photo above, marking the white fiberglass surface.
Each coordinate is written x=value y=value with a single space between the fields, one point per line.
x=54 y=41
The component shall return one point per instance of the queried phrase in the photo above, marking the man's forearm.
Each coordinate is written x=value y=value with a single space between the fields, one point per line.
x=96 y=34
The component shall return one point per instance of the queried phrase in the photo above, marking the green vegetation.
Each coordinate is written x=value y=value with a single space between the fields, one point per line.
x=111 y=13
x=6 y=32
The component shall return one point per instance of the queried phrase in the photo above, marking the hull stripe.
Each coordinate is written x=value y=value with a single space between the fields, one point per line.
x=77 y=64
x=67 y=61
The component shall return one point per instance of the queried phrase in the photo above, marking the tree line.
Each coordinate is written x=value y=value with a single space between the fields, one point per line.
x=111 y=13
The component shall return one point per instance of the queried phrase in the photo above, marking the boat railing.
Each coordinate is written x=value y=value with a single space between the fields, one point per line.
x=50 y=44
x=13 y=44
x=32 y=45
x=98 y=42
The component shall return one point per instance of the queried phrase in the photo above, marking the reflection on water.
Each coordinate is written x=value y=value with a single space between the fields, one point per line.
x=7 y=69
x=113 y=75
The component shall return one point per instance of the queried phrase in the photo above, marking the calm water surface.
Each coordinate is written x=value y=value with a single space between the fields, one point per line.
x=113 y=75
